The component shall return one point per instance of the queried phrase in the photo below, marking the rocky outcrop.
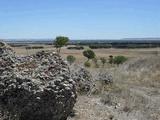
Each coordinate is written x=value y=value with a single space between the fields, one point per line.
x=37 y=87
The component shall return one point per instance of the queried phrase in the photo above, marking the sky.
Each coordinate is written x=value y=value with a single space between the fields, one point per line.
x=79 y=19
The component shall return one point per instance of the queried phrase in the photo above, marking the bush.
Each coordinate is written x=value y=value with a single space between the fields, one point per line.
x=119 y=60
x=87 y=64
x=89 y=54
x=71 y=59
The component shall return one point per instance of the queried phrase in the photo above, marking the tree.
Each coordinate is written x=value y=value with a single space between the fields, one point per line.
x=103 y=60
x=71 y=59
x=89 y=54
x=59 y=42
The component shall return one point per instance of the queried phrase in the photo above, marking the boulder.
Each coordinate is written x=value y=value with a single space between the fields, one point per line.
x=36 y=87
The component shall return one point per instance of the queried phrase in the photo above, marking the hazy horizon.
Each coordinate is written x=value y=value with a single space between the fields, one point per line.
x=51 y=39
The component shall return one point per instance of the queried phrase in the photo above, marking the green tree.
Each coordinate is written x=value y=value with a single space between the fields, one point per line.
x=89 y=54
x=71 y=59
x=103 y=60
x=59 y=42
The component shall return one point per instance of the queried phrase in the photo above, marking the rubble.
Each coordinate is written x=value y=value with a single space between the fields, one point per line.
x=36 y=87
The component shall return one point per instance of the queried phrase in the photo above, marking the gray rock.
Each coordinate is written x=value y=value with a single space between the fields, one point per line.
x=37 y=87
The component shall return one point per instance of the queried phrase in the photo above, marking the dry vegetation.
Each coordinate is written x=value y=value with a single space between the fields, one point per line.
x=134 y=94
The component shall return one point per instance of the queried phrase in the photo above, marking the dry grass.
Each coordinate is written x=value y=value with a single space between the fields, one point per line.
x=131 y=53
x=138 y=82
x=140 y=71
x=135 y=94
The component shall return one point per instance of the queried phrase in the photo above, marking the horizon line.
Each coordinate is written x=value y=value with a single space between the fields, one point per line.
x=136 y=38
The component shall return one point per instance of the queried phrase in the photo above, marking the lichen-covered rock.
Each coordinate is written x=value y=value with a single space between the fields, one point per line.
x=83 y=78
x=37 y=87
